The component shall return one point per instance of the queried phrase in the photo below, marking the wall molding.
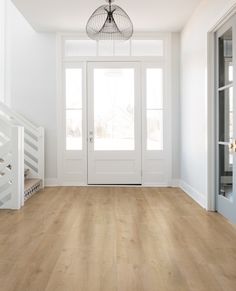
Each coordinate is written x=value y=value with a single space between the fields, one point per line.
x=175 y=183
x=54 y=182
x=198 y=197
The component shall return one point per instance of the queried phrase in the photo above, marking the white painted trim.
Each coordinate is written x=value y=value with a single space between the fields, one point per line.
x=188 y=190
x=17 y=167
x=53 y=183
x=59 y=66
x=164 y=61
x=155 y=185
x=169 y=96
x=211 y=139
x=198 y=197
x=164 y=36
x=75 y=184
x=166 y=153
x=41 y=158
x=211 y=165
x=225 y=17
x=175 y=183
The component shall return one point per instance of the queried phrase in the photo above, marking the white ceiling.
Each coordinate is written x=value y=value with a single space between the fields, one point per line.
x=72 y=15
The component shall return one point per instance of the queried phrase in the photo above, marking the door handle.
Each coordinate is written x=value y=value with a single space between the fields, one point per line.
x=232 y=146
x=90 y=134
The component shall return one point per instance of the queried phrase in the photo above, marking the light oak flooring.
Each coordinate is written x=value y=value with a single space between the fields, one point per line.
x=115 y=239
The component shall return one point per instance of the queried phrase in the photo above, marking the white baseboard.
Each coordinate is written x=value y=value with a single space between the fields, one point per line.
x=200 y=198
x=73 y=184
x=154 y=185
x=175 y=183
x=51 y=183
x=55 y=183
x=172 y=183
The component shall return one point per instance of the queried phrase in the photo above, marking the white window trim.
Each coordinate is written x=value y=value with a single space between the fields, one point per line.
x=164 y=62
x=137 y=36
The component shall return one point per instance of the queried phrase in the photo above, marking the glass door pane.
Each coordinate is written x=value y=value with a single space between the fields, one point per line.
x=226 y=58
x=225 y=114
x=225 y=172
x=154 y=108
x=73 y=103
x=226 y=127
x=114 y=123
x=113 y=109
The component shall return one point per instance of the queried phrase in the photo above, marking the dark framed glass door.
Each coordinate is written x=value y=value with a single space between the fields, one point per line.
x=226 y=125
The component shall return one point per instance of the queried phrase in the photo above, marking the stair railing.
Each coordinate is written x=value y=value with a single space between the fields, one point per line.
x=11 y=165
x=33 y=142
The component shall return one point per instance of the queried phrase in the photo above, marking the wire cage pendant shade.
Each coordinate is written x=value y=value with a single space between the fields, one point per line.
x=109 y=22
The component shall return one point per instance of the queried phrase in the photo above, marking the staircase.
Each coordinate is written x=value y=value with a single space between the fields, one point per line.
x=31 y=186
x=21 y=159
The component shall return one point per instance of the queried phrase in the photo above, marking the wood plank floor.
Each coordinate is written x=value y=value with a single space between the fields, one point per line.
x=115 y=239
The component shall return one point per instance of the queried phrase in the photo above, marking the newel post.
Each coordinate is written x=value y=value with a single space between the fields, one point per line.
x=17 y=167
x=41 y=160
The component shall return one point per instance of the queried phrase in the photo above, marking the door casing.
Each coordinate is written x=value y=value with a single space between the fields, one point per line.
x=68 y=162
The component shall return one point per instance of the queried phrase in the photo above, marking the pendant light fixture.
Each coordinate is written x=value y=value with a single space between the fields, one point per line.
x=109 y=22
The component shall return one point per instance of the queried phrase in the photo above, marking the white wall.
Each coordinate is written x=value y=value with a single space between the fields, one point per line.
x=31 y=75
x=194 y=96
x=31 y=79
x=2 y=49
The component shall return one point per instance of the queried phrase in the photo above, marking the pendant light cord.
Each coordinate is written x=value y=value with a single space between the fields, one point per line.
x=110 y=13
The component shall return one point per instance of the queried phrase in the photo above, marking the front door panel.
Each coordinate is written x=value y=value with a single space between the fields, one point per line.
x=114 y=123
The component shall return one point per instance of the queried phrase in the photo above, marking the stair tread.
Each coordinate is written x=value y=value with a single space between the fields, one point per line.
x=26 y=173
x=30 y=183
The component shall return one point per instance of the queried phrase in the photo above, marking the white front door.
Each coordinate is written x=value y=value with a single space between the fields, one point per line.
x=114 y=123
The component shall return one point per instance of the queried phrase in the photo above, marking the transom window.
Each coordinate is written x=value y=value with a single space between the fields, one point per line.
x=134 y=47
x=111 y=132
